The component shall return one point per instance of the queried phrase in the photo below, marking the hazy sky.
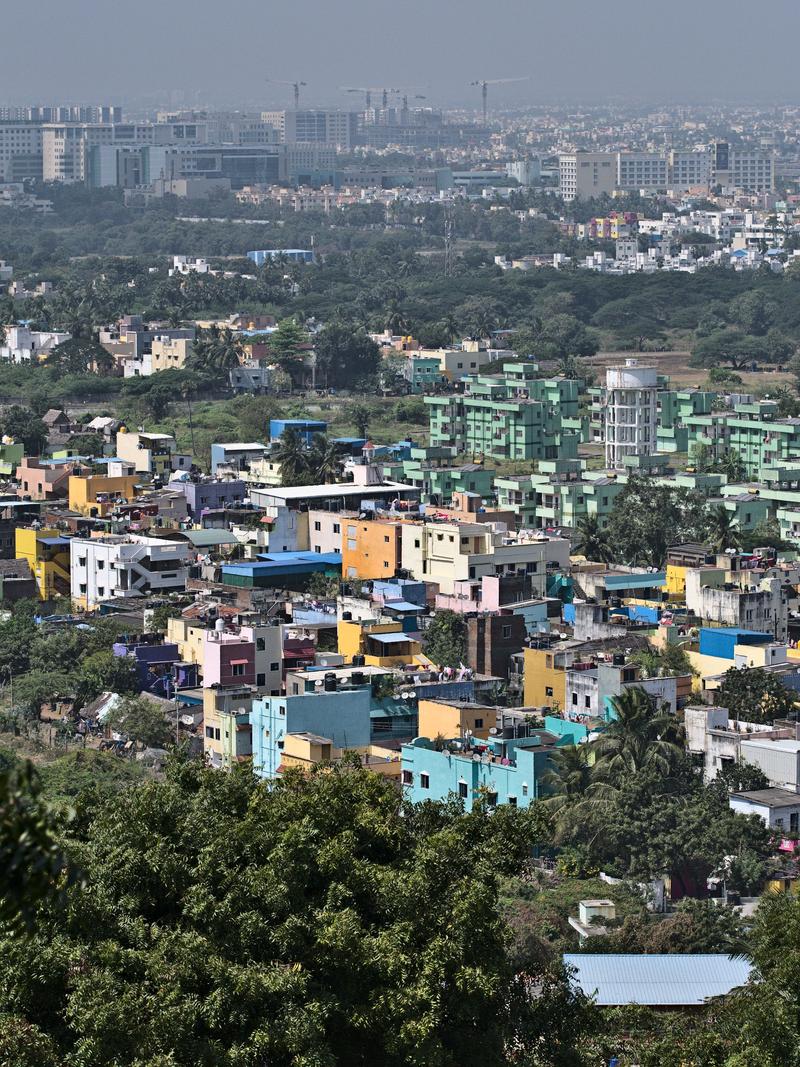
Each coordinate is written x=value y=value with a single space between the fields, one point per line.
x=222 y=51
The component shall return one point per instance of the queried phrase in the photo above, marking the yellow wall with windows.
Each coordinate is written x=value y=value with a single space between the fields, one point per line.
x=437 y=717
x=544 y=683
x=84 y=490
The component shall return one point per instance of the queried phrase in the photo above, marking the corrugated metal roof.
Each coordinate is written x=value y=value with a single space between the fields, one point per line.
x=679 y=980
x=390 y=639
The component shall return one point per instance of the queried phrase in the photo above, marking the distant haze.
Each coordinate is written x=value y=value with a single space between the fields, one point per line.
x=220 y=52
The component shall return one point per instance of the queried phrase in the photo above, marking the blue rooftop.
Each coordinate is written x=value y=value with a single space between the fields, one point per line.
x=391 y=639
x=658 y=980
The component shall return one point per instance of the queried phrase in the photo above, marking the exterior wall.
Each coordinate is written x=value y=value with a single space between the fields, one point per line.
x=149 y=453
x=779 y=760
x=228 y=659
x=49 y=564
x=370 y=549
x=438 y=718
x=784 y=819
x=544 y=681
x=83 y=492
x=268 y=643
x=189 y=637
x=325 y=532
x=106 y=567
x=342 y=716
x=226 y=726
x=432 y=775
x=491 y=640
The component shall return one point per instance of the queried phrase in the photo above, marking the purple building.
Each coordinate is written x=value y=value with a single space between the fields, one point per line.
x=210 y=495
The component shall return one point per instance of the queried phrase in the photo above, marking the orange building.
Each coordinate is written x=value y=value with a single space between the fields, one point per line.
x=370 y=548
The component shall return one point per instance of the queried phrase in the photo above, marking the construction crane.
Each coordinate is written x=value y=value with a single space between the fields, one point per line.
x=416 y=96
x=384 y=91
x=486 y=82
x=295 y=89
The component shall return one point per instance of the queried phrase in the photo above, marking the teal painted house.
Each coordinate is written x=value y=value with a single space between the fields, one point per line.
x=503 y=770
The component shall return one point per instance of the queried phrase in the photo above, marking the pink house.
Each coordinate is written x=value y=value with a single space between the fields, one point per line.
x=228 y=659
x=471 y=595
x=44 y=480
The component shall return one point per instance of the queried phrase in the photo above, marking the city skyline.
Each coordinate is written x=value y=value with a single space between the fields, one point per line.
x=174 y=53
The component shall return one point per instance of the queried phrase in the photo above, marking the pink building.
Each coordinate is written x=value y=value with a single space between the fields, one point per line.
x=228 y=659
x=482 y=594
x=44 y=480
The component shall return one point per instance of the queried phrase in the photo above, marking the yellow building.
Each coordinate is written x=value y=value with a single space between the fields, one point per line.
x=47 y=553
x=188 y=635
x=544 y=677
x=170 y=353
x=307 y=750
x=95 y=494
x=675 y=584
x=450 y=719
x=381 y=644
x=227 y=734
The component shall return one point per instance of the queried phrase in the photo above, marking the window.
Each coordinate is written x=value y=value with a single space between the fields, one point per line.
x=210 y=732
x=281 y=710
x=512 y=802
x=216 y=734
x=408 y=778
x=416 y=543
x=101 y=564
x=575 y=699
x=386 y=540
x=274 y=666
x=491 y=800
x=83 y=587
x=261 y=679
x=462 y=790
x=261 y=644
x=587 y=701
x=101 y=590
x=548 y=690
x=237 y=670
x=479 y=724
x=317 y=525
x=336 y=528
x=424 y=781
x=524 y=789
x=506 y=631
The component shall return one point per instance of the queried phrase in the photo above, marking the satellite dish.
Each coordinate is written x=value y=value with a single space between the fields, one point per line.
x=476 y=757
x=492 y=730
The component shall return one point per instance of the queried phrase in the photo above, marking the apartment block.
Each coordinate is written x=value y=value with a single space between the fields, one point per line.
x=103 y=568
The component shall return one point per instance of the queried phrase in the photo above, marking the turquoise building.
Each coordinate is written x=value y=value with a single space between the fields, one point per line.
x=342 y=716
x=503 y=771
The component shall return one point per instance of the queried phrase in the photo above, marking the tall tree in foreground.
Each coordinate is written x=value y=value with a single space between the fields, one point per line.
x=319 y=922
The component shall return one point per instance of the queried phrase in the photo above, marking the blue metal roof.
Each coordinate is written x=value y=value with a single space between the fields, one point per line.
x=658 y=980
x=390 y=639
x=401 y=605
x=53 y=540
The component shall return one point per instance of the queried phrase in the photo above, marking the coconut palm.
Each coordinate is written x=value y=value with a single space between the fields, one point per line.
x=732 y=466
x=638 y=736
x=325 y=459
x=592 y=540
x=569 y=777
x=229 y=351
x=292 y=455
x=722 y=529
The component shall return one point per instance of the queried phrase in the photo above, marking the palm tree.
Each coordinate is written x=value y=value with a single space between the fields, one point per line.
x=649 y=662
x=569 y=777
x=325 y=459
x=292 y=455
x=732 y=466
x=637 y=737
x=449 y=327
x=592 y=540
x=396 y=321
x=229 y=352
x=722 y=529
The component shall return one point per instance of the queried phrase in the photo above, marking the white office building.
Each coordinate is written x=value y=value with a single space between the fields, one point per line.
x=631 y=404
x=102 y=568
x=642 y=170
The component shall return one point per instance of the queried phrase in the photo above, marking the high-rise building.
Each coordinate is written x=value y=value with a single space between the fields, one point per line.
x=20 y=150
x=631 y=406
x=583 y=175
x=753 y=172
x=317 y=125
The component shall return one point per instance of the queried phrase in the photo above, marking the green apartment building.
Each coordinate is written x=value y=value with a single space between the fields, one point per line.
x=560 y=494
x=508 y=416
